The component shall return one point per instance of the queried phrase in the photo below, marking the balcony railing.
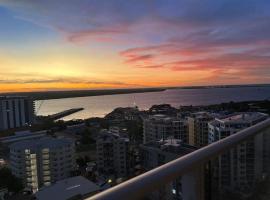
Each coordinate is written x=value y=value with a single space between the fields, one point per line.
x=150 y=181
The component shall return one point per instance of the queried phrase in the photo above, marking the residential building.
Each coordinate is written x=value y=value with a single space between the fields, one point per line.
x=240 y=168
x=181 y=130
x=16 y=111
x=157 y=153
x=160 y=152
x=112 y=154
x=76 y=187
x=157 y=127
x=43 y=161
x=198 y=128
x=189 y=167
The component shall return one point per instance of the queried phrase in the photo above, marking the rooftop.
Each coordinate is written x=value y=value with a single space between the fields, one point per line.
x=46 y=142
x=160 y=117
x=244 y=117
x=12 y=97
x=67 y=189
x=23 y=135
x=200 y=115
x=171 y=145
x=109 y=135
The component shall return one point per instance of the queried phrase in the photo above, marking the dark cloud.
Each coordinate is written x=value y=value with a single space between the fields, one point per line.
x=96 y=15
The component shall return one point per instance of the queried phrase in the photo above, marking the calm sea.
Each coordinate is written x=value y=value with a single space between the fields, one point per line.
x=101 y=105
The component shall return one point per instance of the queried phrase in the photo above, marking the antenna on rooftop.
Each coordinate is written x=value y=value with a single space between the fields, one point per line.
x=134 y=103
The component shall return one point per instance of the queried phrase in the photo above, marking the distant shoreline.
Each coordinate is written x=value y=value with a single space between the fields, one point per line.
x=80 y=93
x=46 y=95
x=219 y=86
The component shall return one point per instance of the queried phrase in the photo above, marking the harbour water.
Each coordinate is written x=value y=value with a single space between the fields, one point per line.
x=98 y=106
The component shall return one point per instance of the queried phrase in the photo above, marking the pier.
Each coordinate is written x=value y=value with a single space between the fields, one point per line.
x=64 y=113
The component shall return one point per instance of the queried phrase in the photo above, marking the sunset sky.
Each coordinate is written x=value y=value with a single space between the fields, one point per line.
x=90 y=44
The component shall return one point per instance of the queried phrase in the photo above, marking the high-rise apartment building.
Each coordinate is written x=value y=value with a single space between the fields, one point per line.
x=16 y=111
x=157 y=127
x=43 y=161
x=198 y=128
x=112 y=154
x=240 y=168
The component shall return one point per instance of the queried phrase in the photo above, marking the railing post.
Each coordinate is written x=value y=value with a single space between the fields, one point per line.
x=193 y=184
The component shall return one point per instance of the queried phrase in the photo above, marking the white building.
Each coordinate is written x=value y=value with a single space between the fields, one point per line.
x=240 y=168
x=157 y=127
x=112 y=154
x=16 y=111
x=158 y=153
x=42 y=162
x=76 y=187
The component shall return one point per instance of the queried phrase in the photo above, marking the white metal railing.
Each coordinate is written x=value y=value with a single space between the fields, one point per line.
x=154 y=179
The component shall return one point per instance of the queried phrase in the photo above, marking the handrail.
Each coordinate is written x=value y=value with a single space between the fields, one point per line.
x=156 y=178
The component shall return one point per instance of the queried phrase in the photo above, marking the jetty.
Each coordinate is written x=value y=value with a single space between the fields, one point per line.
x=64 y=113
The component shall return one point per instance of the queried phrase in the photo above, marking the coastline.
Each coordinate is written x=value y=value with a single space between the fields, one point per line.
x=80 y=93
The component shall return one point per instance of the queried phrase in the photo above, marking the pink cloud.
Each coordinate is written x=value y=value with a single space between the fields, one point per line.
x=100 y=34
x=140 y=58
x=227 y=61
x=152 y=66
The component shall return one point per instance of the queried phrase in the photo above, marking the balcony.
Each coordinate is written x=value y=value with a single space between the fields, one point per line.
x=193 y=169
